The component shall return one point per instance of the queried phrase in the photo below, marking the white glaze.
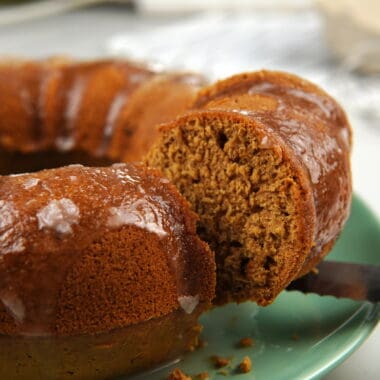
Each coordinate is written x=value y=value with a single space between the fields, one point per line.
x=64 y=143
x=7 y=212
x=345 y=137
x=311 y=98
x=74 y=96
x=188 y=303
x=242 y=112
x=14 y=305
x=261 y=87
x=75 y=166
x=122 y=174
x=114 y=110
x=31 y=182
x=119 y=165
x=140 y=213
x=59 y=215
x=265 y=143
x=10 y=241
x=17 y=175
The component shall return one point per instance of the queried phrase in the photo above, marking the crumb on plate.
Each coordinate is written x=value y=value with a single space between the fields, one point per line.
x=223 y=372
x=203 y=376
x=245 y=365
x=246 y=342
x=220 y=362
x=177 y=374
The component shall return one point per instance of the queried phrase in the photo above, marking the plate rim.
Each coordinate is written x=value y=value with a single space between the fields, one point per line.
x=370 y=322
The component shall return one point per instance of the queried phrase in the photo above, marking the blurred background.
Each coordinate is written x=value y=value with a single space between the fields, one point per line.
x=333 y=43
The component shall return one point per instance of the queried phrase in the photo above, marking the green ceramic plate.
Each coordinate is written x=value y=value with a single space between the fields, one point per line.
x=299 y=336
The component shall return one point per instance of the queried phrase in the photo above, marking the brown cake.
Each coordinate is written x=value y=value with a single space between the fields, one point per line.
x=101 y=270
x=264 y=160
x=90 y=112
x=101 y=273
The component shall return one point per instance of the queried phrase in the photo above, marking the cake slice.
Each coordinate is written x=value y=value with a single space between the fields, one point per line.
x=264 y=160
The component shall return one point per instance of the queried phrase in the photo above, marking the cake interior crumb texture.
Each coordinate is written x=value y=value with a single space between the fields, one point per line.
x=246 y=196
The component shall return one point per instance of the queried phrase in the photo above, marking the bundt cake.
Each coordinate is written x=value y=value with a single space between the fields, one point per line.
x=102 y=272
x=264 y=160
x=104 y=260
x=94 y=112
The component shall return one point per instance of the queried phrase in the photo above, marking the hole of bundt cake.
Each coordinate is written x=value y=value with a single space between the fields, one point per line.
x=244 y=195
x=15 y=162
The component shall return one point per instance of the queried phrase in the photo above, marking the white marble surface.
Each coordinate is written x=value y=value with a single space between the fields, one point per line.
x=293 y=45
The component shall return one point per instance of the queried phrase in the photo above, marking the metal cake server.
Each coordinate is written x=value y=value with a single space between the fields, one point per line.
x=343 y=280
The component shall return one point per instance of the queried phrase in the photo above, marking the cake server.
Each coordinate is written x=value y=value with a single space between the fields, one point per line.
x=359 y=282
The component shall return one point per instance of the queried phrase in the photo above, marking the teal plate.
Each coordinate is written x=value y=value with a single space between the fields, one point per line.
x=299 y=336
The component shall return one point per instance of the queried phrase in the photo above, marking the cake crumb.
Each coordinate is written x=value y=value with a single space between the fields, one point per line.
x=220 y=362
x=193 y=347
x=202 y=343
x=246 y=342
x=203 y=376
x=223 y=372
x=177 y=374
x=245 y=365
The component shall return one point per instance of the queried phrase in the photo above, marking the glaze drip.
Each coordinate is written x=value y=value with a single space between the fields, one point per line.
x=65 y=140
x=188 y=303
x=59 y=215
x=114 y=111
x=10 y=240
x=140 y=213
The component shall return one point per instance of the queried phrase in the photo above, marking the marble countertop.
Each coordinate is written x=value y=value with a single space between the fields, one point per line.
x=221 y=44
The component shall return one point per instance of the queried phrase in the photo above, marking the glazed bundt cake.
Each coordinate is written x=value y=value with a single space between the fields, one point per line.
x=90 y=112
x=101 y=269
x=264 y=160
x=105 y=261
